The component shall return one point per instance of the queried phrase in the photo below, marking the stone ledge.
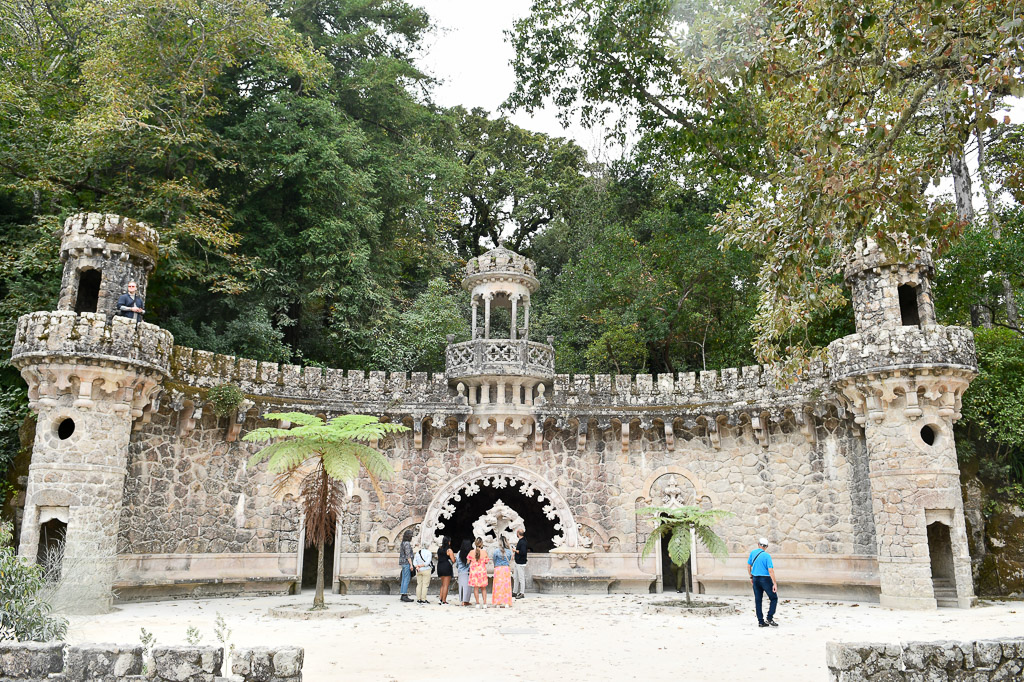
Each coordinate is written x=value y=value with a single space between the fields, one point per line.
x=995 y=659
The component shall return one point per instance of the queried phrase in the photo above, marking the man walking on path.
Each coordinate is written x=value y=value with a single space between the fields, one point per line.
x=762 y=577
x=130 y=305
x=519 y=567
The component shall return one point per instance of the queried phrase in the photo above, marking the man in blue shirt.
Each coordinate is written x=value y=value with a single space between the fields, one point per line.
x=762 y=577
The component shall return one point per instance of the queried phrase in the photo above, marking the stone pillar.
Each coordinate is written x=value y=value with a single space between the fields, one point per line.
x=515 y=318
x=526 y=319
x=487 y=315
x=902 y=376
x=473 y=334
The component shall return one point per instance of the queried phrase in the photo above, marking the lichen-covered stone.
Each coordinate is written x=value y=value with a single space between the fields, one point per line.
x=925 y=661
x=187 y=663
x=101 y=661
x=30 y=660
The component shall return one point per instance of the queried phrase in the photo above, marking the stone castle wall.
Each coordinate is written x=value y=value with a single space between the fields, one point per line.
x=800 y=478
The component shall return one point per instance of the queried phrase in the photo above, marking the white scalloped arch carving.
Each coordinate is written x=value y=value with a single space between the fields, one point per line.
x=500 y=476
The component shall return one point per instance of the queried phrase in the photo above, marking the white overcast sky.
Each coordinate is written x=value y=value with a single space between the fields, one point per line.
x=470 y=55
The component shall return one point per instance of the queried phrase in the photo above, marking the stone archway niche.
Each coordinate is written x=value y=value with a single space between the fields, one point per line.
x=500 y=476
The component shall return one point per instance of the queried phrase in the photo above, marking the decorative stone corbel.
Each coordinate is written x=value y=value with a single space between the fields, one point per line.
x=581 y=435
x=670 y=437
x=805 y=421
x=187 y=418
x=912 y=410
x=538 y=435
x=759 y=425
x=714 y=435
x=238 y=419
x=462 y=434
x=624 y=435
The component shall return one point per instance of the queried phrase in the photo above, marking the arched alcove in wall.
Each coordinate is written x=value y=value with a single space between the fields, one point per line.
x=539 y=497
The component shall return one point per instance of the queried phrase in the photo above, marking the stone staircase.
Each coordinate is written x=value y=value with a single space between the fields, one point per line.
x=945 y=592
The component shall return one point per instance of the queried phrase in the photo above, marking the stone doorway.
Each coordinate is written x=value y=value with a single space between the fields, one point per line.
x=548 y=519
x=673 y=578
x=309 y=558
x=940 y=551
x=50 y=552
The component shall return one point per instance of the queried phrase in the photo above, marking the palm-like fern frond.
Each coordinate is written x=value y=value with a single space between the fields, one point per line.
x=678 y=523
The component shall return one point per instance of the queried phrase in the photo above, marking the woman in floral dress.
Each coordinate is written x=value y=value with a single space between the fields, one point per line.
x=478 y=573
x=501 y=590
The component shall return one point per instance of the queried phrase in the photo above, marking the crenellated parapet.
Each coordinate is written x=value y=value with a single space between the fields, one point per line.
x=902 y=347
x=60 y=351
x=329 y=387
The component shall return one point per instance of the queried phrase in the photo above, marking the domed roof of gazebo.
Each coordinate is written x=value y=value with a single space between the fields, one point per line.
x=501 y=264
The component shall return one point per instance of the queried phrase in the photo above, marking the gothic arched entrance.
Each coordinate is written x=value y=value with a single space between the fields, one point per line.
x=465 y=498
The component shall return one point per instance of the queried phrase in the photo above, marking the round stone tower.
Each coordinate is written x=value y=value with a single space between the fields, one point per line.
x=903 y=377
x=500 y=371
x=101 y=254
x=89 y=377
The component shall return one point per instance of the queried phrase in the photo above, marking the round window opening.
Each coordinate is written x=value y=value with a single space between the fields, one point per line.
x=65 y=428
x=928 y=434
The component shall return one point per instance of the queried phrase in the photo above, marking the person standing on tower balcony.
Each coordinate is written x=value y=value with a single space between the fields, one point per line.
x=762 y=577
x=129 y=304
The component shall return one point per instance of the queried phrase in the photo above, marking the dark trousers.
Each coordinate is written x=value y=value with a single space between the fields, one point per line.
x=763 y=585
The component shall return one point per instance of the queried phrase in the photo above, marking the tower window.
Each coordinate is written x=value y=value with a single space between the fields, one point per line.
x=66 y=428
x=909 y=311
x=88 y=296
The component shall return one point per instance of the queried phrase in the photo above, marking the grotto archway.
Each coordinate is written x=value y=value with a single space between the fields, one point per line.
x=542 y=507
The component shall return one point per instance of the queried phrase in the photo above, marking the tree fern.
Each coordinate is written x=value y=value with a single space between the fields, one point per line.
x=325 y=454
x=679 y=524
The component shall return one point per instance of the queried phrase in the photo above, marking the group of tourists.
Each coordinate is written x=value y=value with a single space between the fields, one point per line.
x=470 y=565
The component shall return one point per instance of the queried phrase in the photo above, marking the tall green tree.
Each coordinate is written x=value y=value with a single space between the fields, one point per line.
x=831 y=117
x=513 y=182
x=324 y=455
x=634 y=282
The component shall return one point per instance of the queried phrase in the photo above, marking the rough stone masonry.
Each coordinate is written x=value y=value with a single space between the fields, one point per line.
x=851 y=472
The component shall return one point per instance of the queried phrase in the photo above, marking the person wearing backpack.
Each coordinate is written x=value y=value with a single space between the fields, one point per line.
x=762 y=578
x=423 y=565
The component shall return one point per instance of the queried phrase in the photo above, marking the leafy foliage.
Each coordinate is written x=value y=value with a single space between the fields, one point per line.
x=678 y=525
x=24 y=617
x=829 y=118
x=324 y=454
x=633 y=281
x=225 y=398
x=415 y=339
x=513 y=182
x=992 y=408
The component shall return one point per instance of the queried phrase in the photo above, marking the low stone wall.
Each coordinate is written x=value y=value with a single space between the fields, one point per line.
x=995 y=659
x=56 y=662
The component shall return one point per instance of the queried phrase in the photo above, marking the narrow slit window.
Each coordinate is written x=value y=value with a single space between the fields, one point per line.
x=908 y=306
x=88 y=296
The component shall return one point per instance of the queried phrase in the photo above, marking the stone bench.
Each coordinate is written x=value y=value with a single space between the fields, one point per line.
x=191 y=588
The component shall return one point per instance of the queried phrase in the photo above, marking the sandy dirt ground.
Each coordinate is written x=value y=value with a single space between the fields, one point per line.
x=584 y=638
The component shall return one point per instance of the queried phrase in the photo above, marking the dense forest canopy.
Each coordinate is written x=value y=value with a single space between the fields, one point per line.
x=315 y=205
